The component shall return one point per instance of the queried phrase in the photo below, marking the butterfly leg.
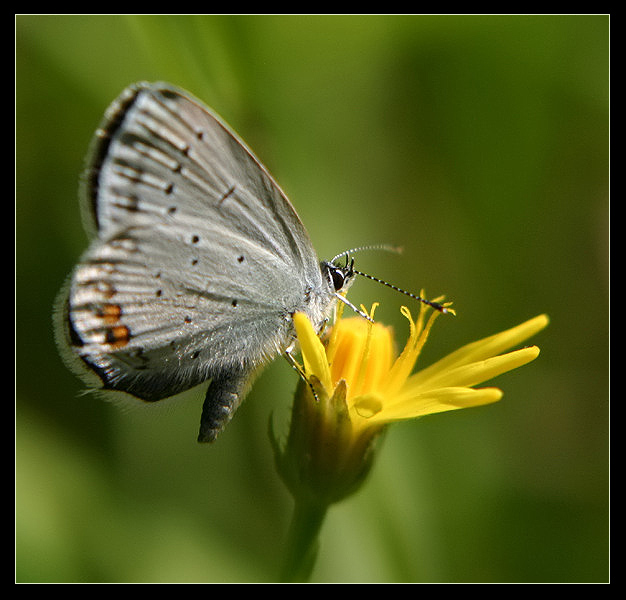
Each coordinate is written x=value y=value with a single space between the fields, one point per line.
x=298 y=368
x=295 y=364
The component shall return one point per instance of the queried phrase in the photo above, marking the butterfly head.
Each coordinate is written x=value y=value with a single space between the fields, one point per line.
x=340 y=277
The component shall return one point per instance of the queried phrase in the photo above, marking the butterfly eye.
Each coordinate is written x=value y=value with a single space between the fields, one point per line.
x=338 y=277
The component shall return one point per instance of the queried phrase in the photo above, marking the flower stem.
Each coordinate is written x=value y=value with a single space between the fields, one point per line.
x=302 y=541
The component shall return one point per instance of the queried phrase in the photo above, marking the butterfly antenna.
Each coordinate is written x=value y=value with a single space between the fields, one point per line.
x=435 y=305
x=386 y=247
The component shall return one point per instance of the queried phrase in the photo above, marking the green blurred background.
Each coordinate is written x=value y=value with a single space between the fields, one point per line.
x=479 y=144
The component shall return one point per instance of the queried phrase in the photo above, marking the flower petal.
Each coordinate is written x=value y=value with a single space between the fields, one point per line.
x=434 y=401
x=482 y=349
x=312 y=349
x=407 y=359
x=474 y=373
x=349 y=347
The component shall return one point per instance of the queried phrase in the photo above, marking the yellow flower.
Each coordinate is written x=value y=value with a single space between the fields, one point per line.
x=355 y=386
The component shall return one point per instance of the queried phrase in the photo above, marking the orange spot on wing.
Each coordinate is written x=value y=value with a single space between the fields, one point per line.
x=117 y=336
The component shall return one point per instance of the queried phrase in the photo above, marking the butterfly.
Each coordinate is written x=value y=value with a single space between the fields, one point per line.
x=198 y=259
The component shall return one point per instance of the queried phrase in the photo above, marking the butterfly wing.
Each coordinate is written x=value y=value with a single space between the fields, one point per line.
x=199 y=260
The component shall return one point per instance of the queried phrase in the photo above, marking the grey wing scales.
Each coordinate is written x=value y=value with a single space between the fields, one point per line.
x=167 y=153
x=146 y=330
